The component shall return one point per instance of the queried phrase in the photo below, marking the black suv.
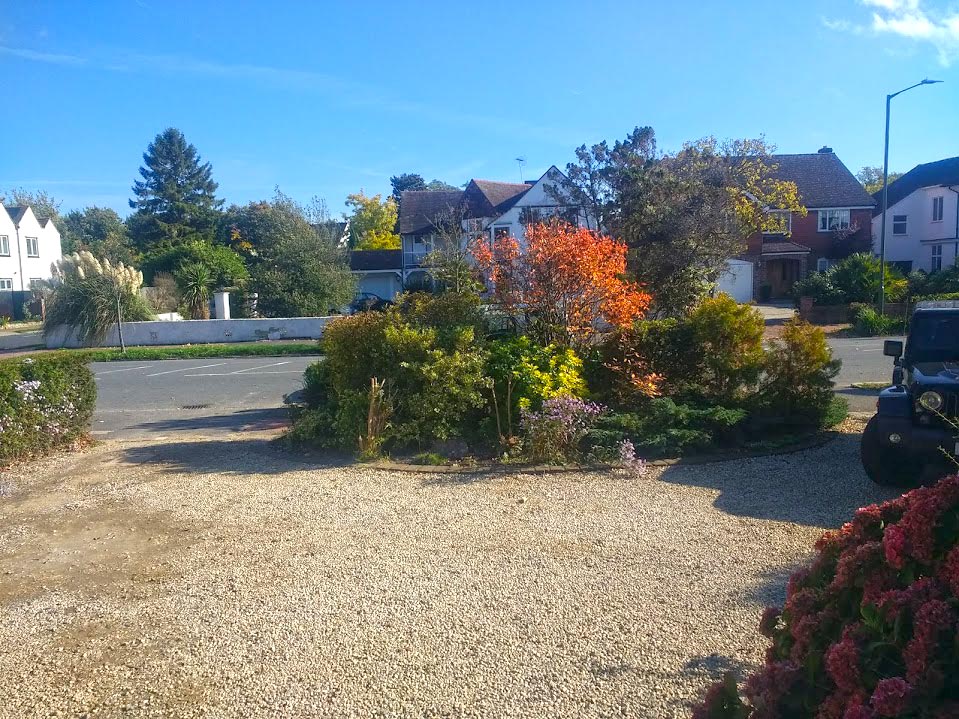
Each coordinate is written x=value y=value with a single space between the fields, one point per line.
x=912 y=432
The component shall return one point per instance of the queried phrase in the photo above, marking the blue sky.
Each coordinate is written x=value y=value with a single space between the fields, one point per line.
x=325 y=98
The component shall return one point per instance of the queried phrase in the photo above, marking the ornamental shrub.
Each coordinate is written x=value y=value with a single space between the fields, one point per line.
x=798 y=376
x=867 y=322
x=666 y=429
x=820 y=287
x=432 y=382
x=525 y=374
x=444 y=312
x=553 y=433
x=45 y=402
x=870 y=628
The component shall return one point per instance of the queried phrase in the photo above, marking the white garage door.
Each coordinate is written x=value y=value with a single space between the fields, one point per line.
x=737 y=281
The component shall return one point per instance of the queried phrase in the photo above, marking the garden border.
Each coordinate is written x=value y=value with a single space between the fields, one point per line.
x=817 y=440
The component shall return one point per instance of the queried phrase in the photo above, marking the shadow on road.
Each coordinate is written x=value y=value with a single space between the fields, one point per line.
x=236 y=456
x=246 y=420
x=821 y=487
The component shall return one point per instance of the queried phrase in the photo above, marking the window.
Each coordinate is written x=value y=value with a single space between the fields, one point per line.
x=936 y=258
x=501 y=232
x=937 y=209
x=35 y=282
x=6 y=283
x=4 y=246
x=778 y=222
x=823 y=264
x=830 y=220
x=899 y=224
x=33 y=247
x=904 y=266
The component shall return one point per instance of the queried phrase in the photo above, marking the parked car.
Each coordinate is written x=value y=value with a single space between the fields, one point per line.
x=915 y=432
x=367 y=302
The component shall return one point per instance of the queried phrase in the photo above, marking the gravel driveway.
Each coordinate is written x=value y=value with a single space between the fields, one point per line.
x=227 y=579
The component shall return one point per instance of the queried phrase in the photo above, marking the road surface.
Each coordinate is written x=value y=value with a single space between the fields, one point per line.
x=137 y=399
x=862 y=361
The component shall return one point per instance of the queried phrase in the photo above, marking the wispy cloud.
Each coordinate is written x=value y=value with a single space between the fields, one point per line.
x=47 y=57
x=338 y=91
x=917 y=20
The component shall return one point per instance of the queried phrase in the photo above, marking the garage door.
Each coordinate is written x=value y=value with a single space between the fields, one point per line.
x=737 y=281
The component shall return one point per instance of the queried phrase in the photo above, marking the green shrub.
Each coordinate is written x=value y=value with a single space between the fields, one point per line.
x=943 y=282
x=525 y=374
x=798 y=379
x=867 y=322
x=45 y=403
x=819 y=286
x=443 y=312
x=667 y=429
x=224 y=267
x=433 y=382
x=715 y=354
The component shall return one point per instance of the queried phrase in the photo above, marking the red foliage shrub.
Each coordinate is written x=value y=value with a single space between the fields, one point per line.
x=869 y=629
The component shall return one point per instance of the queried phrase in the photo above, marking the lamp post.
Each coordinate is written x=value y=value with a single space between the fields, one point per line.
x=885 y=197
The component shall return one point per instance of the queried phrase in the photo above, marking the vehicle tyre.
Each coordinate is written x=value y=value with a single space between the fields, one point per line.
x=886 y=466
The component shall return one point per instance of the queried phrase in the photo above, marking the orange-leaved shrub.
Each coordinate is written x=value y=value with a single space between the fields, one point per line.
x=869 y=629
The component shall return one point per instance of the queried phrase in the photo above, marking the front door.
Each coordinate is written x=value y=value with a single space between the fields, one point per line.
x=782 y=274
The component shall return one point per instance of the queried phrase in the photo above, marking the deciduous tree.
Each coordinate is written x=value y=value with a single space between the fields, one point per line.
x=682 y=215
x=98 y=229
x=373 y=222
x=871 y=178
x=567 y=280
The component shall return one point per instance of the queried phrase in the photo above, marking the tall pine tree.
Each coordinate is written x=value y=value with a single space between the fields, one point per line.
x=176 y=199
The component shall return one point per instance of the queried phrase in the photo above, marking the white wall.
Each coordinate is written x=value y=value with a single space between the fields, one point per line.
x=536 y=196
x=385 y=285
x=48 y=240
x=203 y=332
x=921 y=232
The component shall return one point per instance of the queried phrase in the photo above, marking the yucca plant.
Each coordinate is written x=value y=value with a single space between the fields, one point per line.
x=195 y=281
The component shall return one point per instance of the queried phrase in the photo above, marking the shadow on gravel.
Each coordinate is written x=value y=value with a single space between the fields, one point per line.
x=770 y=589
x=239 y=457
x=245 y=420
x=820 y=487
x=714 y=666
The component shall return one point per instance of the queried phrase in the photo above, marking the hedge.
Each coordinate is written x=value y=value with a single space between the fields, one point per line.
x=45 y=403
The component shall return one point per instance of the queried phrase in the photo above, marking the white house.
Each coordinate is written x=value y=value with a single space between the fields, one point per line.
x=483 y=208
x=28 y=246
x=922 y=222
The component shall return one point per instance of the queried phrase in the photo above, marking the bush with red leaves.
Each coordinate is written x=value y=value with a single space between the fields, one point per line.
x=869 y=630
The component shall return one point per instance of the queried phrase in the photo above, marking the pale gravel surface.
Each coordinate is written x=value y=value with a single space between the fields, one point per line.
x=226 y=579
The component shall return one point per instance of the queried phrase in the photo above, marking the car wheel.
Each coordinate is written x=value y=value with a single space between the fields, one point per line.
x=886 y=466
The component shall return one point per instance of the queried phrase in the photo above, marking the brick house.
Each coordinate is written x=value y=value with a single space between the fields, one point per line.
x=838 y=223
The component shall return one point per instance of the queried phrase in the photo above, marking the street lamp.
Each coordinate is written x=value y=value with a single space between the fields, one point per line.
x=885 y=197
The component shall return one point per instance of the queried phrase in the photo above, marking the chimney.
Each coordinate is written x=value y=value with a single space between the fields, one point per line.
x=824 y=150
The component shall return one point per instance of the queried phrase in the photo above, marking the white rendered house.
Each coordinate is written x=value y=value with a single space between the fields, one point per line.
x=922 y=222
x=28 y=246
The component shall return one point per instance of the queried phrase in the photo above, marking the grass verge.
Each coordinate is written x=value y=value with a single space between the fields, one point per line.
x=872 y=386
x=246 y=349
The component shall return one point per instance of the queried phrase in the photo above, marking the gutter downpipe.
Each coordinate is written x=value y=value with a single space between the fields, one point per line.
x=956 y=244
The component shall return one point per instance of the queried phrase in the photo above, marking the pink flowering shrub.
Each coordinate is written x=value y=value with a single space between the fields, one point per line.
x=45 y=402
x=871 y=628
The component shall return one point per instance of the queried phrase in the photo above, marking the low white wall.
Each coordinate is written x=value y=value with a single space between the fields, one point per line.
x=191 y=332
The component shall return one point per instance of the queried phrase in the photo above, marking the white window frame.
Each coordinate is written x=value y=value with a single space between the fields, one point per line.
x=936 y=263
x=823 y=264
x=824 y=221
x=6 y=283
x=4 y=245
x=507 y=228
x=904 y=221
x=937 y=208
x=36 y=246
x=34 y=280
